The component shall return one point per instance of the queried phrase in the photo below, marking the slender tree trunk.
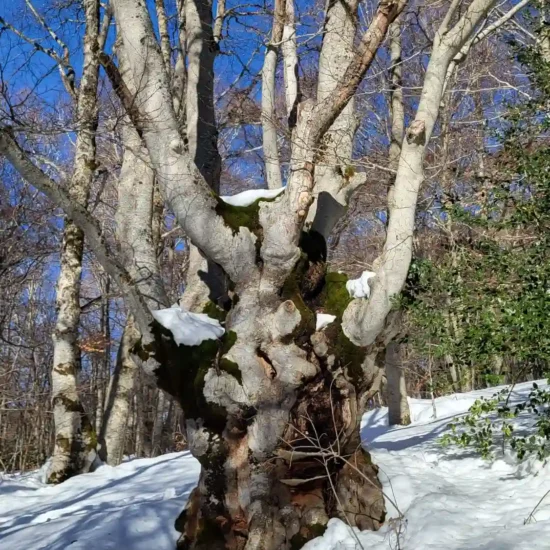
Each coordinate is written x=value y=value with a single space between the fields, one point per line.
x=74 y=450
x=202 y=132
x=138 y=229
x=119 y=399
x=290 y=61
x=396 y=98
x=269 y=120
x=158 y=425
x=334 y=174
x=165 y=46
x=365 y=320
x=205 y=281
x=398 y=405
x=75 y=439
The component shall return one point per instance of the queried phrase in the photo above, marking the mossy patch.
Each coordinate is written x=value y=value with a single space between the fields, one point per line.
x=66 y=369
x=90 y=435
x=182 y=373
x=348 y=355
x=228 y=341
x=231 y=368
x=214 y=311
x=291 y=291
x=335 y=297
x=69 y=404
x=236 y=217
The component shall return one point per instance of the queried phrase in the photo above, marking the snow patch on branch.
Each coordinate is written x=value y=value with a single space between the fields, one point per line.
x=188 y=329
x=323 y=320
x=246 y=198
x=359 y=288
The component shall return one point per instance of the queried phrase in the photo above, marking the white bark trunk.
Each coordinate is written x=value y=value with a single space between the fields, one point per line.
x=269 y=121
x=333 y=171
x=119 y=399
x=205 y=280
x=137 y=235
x=290 y=60
x=75 y=440
x=158 y=426
x=364 y=320
x=179 y=83
x=397 y=108
x=165 y=45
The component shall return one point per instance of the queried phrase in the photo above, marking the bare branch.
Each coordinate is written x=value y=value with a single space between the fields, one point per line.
x=290 y=61
x=269 y=127
x=80 y=215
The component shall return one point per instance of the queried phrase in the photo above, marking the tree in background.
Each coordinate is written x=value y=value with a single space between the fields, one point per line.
x=484 y=302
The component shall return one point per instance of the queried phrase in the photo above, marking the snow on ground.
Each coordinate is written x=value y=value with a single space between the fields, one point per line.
x=451 y=499
x=323 y=320
x=130 y=507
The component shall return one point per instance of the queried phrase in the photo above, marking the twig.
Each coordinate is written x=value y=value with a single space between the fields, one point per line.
x=531 y=516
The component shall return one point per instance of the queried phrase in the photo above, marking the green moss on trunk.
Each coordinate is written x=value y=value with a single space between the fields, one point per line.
x=214 y=311
x=291 y=291
x=335 y=297
x=182 y=372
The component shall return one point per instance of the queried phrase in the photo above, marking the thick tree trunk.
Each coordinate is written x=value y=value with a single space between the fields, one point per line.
x=272 y=413
x=272 y=410
x=75 y=439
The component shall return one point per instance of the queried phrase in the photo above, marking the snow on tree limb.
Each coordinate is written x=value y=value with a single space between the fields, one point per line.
x=188 y=329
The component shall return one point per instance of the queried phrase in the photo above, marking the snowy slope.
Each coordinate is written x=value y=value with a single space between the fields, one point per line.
x=451 y=499
x=130 y=507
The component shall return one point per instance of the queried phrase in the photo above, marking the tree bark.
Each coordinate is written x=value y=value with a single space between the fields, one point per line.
x=335 y=178
x=202 y=132
x=364 y=320
x=158 y=425
x=269 y=121
x=398 y=405
x=290 y=61
x=137 y=235
x=75 y=438
x=119 y=399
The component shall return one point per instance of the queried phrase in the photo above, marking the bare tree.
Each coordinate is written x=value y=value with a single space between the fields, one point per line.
x=75 y=450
